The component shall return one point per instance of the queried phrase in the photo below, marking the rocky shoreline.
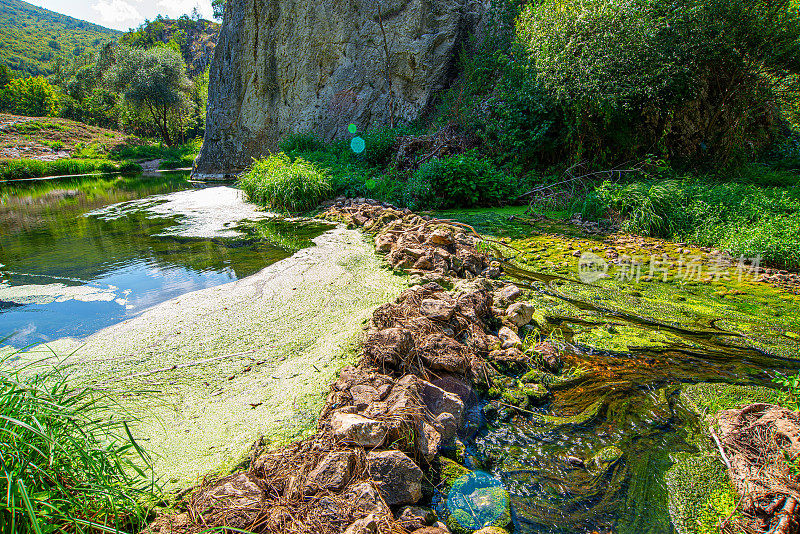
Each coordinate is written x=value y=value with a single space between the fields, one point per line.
x=391 y=434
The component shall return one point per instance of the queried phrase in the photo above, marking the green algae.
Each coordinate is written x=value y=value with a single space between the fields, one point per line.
x=699 y=493
x=706 y=398
x=205 y=375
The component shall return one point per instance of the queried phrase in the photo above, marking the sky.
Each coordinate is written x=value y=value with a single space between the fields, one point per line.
x=124 y=14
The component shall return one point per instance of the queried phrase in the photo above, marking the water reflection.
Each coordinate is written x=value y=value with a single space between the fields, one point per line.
x=82 y=254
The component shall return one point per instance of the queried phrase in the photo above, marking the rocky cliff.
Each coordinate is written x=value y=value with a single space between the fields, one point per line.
x=286 y=66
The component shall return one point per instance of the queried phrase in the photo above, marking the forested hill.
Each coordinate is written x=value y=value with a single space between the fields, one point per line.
x=31 y=38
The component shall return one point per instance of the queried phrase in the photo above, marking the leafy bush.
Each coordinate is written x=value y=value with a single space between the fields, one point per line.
x=67 y=466
x=16 y=169
x=302 y=142
x=464 y=180
x=130 y=169
x=277 y=182
x=744 y=219
x=381 y=144
x=33 y=97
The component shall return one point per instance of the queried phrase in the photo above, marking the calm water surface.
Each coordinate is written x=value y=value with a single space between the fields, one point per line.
x=78 y=255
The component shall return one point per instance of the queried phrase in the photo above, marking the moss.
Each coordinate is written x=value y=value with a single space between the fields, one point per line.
x=585 y=417
x=449 y=473
x=605 y=459
x=699 y=494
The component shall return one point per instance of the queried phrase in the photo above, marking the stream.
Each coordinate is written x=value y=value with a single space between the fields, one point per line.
x=78 y=255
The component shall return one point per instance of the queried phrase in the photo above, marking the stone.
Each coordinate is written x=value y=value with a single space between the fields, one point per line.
x=509 y=338
x=439 y=401
x=414 y=518
x=438 y=310
x=449 y=426
x=358 y=430
x=397 y=477
x=384 y=242
x=238 y=496
x=428 y=440
x=365 y=525
x=389 y=346
x=433 y=530
x=423 y=264
x=333 y=472
x=366 y=499
x=550 y=356
x=491 y=530
x=509 y=294
x=440 y=236
x=444 y=353
x=520 y=313
x=364 y=395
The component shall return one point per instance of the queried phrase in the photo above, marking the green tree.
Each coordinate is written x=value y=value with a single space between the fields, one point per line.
x=154 y=84
x=5 y=75
x=34 y=97
x=219 y=8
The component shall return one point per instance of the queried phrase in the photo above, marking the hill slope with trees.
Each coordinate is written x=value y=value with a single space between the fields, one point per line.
x=32 y=39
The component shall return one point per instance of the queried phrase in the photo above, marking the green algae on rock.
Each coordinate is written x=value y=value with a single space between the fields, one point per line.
x=220 y=367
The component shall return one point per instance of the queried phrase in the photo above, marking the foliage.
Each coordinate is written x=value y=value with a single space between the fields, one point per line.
x=280 y=183
x=156 y=88
x=743 y=218
x=302 y=142
x=790 y=384
x=691 y=79
x=464 y=180
x=33 y=40
x=188 y=150
x=65 y=465
x=219 y=8
x=33 y=97
x=17 y=169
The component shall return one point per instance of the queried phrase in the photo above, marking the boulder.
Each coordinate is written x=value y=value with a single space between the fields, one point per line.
x=333 y=472
x=366 y=499
x=358 y=430
x=449 y=426
x=438 y=310
x=414 y=518
x=520 y=313
x=439 y=401
x=440 y=236
x=389 y=346
x=364 y=395
x=509 y=338
x=428 y=440
x=384 y=242
x=237 y=496
x=443 y=353
x=397 y=477
x=508 y=294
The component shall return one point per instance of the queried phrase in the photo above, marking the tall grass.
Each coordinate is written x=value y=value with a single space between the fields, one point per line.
x=66 y=465
x=16 y=169
x=279 y=183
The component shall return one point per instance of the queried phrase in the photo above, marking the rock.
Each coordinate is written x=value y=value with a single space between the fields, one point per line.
x=397 y=477
x=550 y=356
x=414 y=518
x=509 y=294
x=449 y=426
x=491 y=530
x=509 y=338
x=283 y=67
x=364 y=395
x=384 y=242
x=366 y=499
x=333 y=472
x=439 y=401
x=428 y=440
x=366 y=525
x=520 y=313
x=238 y=494
x=358 y=430
x=440 y=236
x=444 y=353
x=433 y=530
x=389 y=346
x=423 y=264
x=438 y=310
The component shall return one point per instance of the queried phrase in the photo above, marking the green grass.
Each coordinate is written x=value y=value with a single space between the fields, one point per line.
x=279 y=183
x=186 y=152
x=65 y=464
x=18 y=169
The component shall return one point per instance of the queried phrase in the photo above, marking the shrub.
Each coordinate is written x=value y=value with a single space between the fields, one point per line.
x=277 y=182
x=67 y=466
x=34 y=97
x=130 y=169
x=302 y=142
x=463 y=181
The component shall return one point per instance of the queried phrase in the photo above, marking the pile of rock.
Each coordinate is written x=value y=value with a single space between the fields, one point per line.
x=377 y=451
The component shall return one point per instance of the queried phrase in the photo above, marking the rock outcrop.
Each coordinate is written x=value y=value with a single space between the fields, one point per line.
x=288 y=66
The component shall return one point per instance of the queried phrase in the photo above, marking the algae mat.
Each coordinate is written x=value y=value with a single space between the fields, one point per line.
x=208 y=373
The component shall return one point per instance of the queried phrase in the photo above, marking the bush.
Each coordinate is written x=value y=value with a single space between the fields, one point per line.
x=33 y=97
x=67 y=466
x=130 y=169
x=463 y=181
x=17 y=169
x=277 y=182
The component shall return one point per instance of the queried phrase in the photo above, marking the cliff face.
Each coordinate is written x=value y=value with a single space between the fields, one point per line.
x=287 y=66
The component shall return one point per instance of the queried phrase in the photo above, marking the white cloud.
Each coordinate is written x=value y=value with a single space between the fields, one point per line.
x=176 y=8
x=117 y=13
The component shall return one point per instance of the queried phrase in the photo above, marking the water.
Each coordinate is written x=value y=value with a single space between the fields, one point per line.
x=78 y=255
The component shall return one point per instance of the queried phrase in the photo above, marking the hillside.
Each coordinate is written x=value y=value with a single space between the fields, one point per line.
x=32 y=37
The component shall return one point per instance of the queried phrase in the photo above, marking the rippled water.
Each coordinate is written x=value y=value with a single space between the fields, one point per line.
x=82 y=254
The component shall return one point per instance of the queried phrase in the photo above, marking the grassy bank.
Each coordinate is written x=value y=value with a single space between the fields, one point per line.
x=66 y=467
x=16 y=169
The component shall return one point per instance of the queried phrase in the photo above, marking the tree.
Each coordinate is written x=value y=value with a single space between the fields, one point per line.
x=5 y=76
x=33 y=97
x=219 y=8
x=154 y=84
